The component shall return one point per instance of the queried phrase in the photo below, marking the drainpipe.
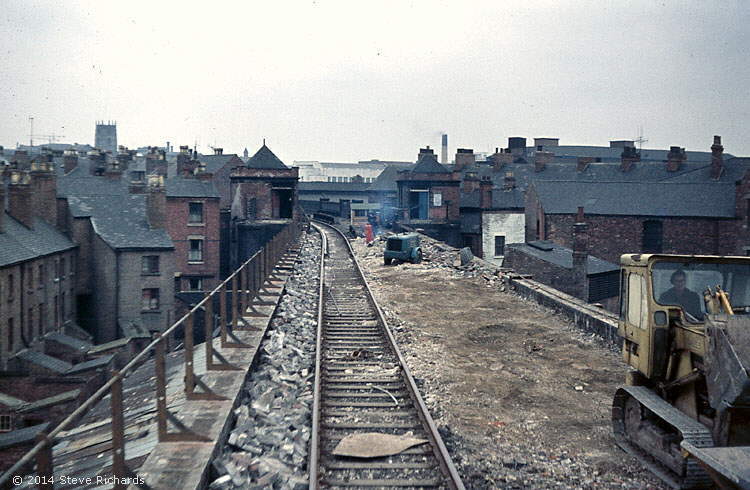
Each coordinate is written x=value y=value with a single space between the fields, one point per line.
x=117 y=293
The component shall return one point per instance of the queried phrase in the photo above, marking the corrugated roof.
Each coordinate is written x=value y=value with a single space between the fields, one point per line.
x=181 y=187
x=264 y=158
x=18 y=243
x=562 y=256
x=714 y=200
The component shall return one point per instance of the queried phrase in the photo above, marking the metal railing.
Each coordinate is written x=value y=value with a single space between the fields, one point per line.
x=246 y=285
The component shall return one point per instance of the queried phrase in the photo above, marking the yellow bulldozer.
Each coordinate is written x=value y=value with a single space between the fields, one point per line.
x=684 y=411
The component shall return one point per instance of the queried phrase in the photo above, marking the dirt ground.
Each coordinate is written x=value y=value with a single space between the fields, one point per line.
x=521 y=396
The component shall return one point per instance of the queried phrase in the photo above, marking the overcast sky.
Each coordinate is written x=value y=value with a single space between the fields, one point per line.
x=347 y=81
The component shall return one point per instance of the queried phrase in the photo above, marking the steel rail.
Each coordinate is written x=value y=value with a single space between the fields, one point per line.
x=99 y=394
x=315 y=435
x=438 y=447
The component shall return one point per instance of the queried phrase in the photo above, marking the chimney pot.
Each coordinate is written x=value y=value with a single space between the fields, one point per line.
x=717 y=158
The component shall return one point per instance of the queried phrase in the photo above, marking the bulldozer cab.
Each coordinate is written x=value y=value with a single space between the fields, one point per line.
x=663 y=296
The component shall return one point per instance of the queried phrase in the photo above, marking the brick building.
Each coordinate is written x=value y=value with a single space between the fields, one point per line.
x=264 y=200
x=220 y=166
x=126 y=258
x=193 y=225
x=37 y=263
x=428 y=197
x=631 y=217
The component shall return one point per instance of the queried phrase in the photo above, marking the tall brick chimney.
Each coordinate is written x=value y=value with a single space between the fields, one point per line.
x=541 y=159
x=156 y=202
x=580 y=255
x=70 y=160
x=628 y=158
x=675 y=157
x=43 y=182
x=464 y=158
x=717 y=159
x=485 y=193
x=583 y=163
x=20 y=201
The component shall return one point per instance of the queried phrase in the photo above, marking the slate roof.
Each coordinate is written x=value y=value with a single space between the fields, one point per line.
x=51 y=401
x=264 y=158
x=605 y=152
x=710 y=199
x=562 y=256
x=120 y=220
x=69 y=341
x=508 y=199
x=48 y=362
x=428 y=164
x=386 y=181
x=18 y=243
x=332 y=186
x=214 y=163
x=20 y=436
x=181 y=187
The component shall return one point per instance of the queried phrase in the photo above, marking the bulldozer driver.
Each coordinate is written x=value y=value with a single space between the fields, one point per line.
x=680 y=295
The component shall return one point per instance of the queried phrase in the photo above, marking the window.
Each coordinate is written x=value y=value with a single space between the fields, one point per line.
x=150 y=264
x=195 y=213
x=30 y=274
x=196 y=250
x=652 y=236
x=499 y=245
x=6 y=423
x=195 y=284
x=252 y=208
x=150 y=299
x=42 y=273
x=10 y=289
x=637 y=301
x=57 y=312
x=40 y=317
x=10 y=335
x=30 y=324
x=62 y=268
x=360 y=213
x=63 y=309
x=437 y=199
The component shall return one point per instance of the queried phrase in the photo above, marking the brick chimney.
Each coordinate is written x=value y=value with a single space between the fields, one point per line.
x=201 y=173
x=97 y=162
x=485 y=193
x=541 y=159
x=425 y=151
x=583 y=163
x=717 y=159
x=675 y=157
x=124 y=158
x=218 y=151
x=20 y=200
x=580 y=255
x=43 y=182
x=500 y=159
x=114 y=172
x=628 y=157
x=70 y=161
x=509 y=181
x=464 y=158
x=21 y=160
x=156 y=202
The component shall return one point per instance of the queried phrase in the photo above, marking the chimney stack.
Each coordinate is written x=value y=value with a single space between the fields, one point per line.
x=517 y=146
x=509 y=181
x=583 y=163
x=425 y=151
x=43 y=183
x=717 y=159
x=628 y=158
x=70 y=161
x=541 y=159
x=444 y=150
x=485 y=193
x=20 y=204
x=675 y=157
x=580 y=255
x=156 y=202
x=201 y=173
x=464 y=158
x=114 y=172
x=218 y=151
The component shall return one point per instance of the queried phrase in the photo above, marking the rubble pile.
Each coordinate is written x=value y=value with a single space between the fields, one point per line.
x=438 y=255
x=268 y=446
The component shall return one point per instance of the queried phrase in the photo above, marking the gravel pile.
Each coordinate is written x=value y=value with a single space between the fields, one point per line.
x=269 y=443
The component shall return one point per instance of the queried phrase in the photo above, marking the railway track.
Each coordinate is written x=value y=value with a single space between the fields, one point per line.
x=363 y=386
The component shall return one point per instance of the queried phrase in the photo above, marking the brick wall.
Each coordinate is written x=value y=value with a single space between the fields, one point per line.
x=133 y=281
x=612 y=236
x=180 y=230
x=552 y=275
